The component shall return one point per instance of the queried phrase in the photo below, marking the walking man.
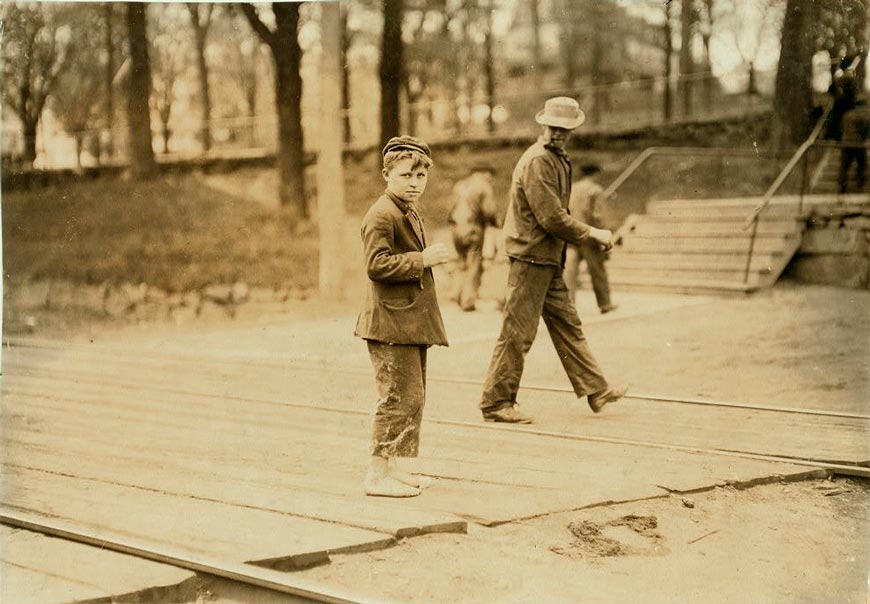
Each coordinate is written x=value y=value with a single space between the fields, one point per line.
x=536 y=229
x=473 y=210
x=585 y=205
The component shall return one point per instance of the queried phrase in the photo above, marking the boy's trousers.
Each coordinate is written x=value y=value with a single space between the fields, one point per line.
x=400 y=372
x=535 y=291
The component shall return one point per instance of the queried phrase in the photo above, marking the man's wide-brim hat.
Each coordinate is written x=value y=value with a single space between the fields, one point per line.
x=561 y=112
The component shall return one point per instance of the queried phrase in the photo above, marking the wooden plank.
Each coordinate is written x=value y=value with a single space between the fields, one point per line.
x=256 y=487
x=37 y=568
x=816 y=440
x=301 y=591
x=200 y=527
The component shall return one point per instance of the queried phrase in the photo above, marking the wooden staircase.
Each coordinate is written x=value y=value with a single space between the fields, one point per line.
x=701 y=246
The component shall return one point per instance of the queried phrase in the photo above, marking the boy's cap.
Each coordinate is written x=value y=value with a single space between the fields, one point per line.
x=407 y=143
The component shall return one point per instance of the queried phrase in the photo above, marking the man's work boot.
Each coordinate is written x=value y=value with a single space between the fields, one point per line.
x=508 y=415
x=611 y=395
x=608 y=308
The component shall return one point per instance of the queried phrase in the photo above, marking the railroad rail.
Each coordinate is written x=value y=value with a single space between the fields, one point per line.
x=303 y=592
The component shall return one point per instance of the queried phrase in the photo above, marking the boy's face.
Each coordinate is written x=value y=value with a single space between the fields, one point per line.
x=405 y=181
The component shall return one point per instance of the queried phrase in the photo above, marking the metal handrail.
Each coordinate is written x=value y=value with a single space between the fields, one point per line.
x=650 y=152
x=778 y=182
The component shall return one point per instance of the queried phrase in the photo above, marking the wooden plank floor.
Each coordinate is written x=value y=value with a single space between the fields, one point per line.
x=283 y=459
x=40 y=569
x=823 y=438
x=255 y=456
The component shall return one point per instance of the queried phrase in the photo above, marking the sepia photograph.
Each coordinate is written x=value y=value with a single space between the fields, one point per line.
x=435 y=302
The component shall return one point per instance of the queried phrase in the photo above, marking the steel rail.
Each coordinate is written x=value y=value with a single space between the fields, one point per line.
x=41 y=344
x=304 y=592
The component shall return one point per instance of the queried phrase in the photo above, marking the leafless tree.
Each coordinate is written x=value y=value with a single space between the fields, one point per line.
x=81 y=83
x=688 y=18
x=668 y=37
x=34 y=49
x=142 y=164
x=200 y=19
x=283 y=41
x=392 y=69
x=759 y=17
x=793 y=100
x=169 y=52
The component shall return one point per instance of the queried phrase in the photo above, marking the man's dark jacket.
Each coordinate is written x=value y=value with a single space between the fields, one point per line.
x=537 y=224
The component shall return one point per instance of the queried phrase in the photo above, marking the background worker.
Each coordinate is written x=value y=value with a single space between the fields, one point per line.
x=473 y=211
x=585 y=205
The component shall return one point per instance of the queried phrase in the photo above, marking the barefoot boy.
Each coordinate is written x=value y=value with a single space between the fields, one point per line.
x=400 y=318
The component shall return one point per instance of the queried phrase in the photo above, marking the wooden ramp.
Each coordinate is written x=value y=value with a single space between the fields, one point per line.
x=702 y=245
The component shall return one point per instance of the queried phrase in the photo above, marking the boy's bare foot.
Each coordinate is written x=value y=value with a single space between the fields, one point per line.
x=388 y=486
x=412 y=480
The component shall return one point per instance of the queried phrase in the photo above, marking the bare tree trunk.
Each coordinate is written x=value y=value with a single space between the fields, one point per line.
x=142 y=164
x=201 y=23
x=536 y=44
x=391 y=68
x=166 y=134
x=109 y=78
x=687 y=65
x=667 y=98
x=345 y=74
x=288 y=100
x=29 y=132
x=752 y=85
x=568 y=43
x=793 y=99
x=708 y=75
x=204 y=91
x=489 y=69
x=79 y=148
x=283 y=42
x=597 y=60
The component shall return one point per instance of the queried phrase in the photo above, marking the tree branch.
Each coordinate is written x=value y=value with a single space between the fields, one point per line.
x=260 y=28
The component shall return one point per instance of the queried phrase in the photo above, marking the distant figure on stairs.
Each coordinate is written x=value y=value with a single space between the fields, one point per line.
x=844 y=90
x=856 y=131
x=585 y=206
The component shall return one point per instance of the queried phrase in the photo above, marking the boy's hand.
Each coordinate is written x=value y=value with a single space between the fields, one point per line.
x=604 y=237
x=435 y=254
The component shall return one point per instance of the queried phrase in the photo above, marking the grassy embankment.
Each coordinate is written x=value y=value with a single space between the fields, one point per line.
x=183 y=232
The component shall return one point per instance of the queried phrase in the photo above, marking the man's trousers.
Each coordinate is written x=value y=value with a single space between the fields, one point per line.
x=536 y=291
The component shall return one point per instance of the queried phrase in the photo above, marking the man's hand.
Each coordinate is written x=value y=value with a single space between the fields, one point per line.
x=435 y=254
x=603 y=237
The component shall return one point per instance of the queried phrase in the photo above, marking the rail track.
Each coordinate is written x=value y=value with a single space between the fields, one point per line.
x=303 y=592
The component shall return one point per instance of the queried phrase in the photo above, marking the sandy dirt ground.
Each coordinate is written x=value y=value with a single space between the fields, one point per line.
x=792 y=543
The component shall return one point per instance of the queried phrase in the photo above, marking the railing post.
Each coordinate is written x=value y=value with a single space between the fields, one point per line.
x=804 y=181
x=751 y=248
